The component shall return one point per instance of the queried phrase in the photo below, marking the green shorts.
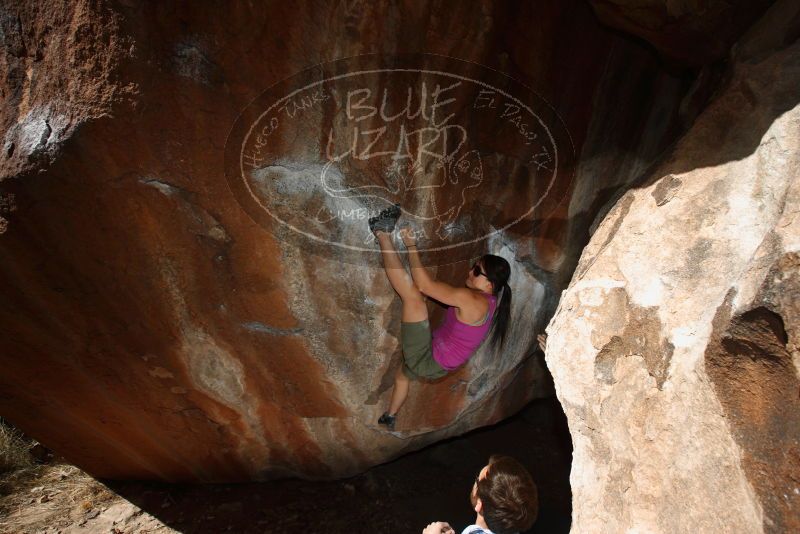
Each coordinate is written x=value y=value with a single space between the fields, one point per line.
x=418 y=352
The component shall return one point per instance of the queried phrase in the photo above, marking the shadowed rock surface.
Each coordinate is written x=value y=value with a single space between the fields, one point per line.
x=692 y=33
x=155 y=327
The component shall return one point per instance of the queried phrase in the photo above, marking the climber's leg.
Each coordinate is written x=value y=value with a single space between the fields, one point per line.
x=414 y=309
x=400 y=391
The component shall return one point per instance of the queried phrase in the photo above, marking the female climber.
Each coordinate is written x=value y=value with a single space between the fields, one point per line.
x=473 y=311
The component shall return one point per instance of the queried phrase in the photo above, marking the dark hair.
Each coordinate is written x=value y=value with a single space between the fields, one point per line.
x=498 y=271
x=509 y=496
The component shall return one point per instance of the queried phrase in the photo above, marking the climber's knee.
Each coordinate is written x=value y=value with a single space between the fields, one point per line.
x=414 y=309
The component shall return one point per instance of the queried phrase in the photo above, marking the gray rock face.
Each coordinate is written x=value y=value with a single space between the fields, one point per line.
x=675 y=348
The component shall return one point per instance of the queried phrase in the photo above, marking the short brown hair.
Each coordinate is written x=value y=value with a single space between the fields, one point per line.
x=509 y=496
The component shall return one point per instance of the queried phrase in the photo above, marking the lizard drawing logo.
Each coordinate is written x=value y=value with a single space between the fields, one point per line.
x=408 y=182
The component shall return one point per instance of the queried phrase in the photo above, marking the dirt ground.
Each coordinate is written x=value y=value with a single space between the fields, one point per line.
x=62 y=498
x=398 y=497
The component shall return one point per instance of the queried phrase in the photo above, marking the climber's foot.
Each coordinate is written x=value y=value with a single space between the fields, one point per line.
x=387 y=420
x=385 y=220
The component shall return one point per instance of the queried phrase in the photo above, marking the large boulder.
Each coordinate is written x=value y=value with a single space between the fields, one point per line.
x=674 y=350
x=160 y=321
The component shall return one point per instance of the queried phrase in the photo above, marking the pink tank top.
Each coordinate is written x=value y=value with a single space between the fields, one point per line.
x=454 y=342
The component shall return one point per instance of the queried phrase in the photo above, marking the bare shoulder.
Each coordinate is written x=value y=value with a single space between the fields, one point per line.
x=474 y=307
x=447 y=294
x=464 y=297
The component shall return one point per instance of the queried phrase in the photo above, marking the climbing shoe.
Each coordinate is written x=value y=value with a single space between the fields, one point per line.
x=385 y=220
x=387 y=420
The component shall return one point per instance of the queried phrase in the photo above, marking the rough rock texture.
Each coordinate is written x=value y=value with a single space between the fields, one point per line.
x=154 y=327
x=675 y=348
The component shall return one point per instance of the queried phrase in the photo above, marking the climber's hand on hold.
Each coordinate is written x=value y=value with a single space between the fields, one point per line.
x=408 y=236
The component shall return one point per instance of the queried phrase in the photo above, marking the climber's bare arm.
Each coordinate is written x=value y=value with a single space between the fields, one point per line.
x=427 y=285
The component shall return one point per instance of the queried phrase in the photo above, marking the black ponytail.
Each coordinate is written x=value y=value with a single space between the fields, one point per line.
x=498 y=272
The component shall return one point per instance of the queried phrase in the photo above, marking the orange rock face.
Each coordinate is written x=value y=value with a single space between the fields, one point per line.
x=188 y=288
